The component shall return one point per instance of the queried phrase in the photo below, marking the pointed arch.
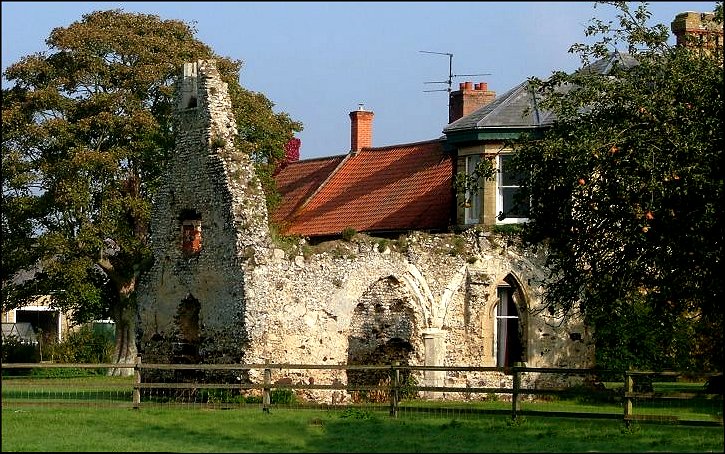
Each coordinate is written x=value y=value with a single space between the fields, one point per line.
x=510 y=324
x=383 y=329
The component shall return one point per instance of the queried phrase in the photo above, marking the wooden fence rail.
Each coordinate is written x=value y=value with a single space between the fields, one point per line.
x=395 y=387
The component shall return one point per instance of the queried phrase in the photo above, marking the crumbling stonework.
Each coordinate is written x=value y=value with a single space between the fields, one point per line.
x=224 y=294
x=210 y=192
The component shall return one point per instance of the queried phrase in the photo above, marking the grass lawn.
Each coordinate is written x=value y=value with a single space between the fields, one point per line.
x=48 y=428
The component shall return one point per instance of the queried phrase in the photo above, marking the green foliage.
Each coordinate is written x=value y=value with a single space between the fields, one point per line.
x=67 y=372
x=218 y=142
x=357 y=413
x=469 y=184
x=15 y=351
x=516 y=422
x=507 y=229
x=282 y=396
x=382 y=245
x=87 y=130
x=458 y=247
x=348 y=233
x=84 y=345
x=626 y=190
x=409 y=387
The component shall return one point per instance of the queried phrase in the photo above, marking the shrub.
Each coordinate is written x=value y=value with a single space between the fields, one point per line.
x=348 y=233
x=15 y=351
x=84 y=345
x=284 y=396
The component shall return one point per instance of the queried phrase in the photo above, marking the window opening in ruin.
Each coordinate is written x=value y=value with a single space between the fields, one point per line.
x=190 y=232
x=507 y=329
x=189 y=86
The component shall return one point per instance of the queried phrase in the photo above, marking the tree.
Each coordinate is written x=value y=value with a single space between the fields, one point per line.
x=626 y=193
x=87 y=129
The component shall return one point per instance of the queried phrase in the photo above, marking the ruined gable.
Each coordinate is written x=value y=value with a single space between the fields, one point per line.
x=209 y=225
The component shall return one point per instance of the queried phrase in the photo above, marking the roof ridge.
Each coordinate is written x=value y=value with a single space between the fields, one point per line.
x=400 y=145
x=320 y=158
x=506 y=99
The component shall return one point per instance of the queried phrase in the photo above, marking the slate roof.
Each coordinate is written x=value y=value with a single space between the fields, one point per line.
x=518 y=107
x=514 y=109
x=383 y=189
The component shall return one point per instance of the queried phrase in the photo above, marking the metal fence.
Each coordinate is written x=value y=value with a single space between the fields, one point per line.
x=665 y=397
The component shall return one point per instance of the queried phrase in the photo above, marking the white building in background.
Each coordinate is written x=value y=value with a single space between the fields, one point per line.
x=36 y=321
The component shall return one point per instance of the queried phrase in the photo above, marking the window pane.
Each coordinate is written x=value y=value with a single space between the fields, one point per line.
x=511 y=207
x=508 y=178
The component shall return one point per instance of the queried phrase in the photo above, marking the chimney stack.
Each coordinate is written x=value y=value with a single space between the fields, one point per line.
x=468 y=98
x=361 y=129
x=700 y=30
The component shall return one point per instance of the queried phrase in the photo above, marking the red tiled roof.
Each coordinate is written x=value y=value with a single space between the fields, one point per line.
x=298 y=181
x=395 y=188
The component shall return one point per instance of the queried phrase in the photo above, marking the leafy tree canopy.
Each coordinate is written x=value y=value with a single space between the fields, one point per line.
x=626 y=192
x=86 y=131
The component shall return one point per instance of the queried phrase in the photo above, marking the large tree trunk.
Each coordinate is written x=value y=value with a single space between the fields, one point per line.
x=124 y=315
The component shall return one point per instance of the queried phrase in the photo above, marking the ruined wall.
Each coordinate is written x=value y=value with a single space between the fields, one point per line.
x=429 y=301
x=218 y=292
x=209 y=226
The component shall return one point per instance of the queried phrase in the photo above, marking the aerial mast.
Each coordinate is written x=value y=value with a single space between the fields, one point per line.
x=450 y=73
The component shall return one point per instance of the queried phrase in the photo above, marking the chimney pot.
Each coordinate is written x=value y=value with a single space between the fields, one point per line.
x=461 y=85
x=466 y=100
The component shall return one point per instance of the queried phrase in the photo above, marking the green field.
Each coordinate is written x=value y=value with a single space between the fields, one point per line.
x=94 y=413
x=50 y=429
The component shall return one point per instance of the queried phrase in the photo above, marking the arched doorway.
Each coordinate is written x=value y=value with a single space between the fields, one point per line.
x=186 y=348
x=381 y=332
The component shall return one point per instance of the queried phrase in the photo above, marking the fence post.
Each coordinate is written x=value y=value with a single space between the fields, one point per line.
x=395 y=381
x=137 y=383
x=515 y=404
x=628 y=390
x=267 y=396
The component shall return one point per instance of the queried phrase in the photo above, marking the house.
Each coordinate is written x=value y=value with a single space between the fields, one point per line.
x=378 y=190
x=36 y=321
x=484 y=134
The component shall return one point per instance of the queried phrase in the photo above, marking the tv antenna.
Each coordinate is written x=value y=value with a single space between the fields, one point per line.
x=450 y=73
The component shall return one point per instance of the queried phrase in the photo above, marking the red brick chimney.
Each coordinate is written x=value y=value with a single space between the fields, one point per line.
x=468 y=98
x=694 y=29
x=361 y=130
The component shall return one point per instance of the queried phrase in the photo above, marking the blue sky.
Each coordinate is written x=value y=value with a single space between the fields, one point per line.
x=318 y=60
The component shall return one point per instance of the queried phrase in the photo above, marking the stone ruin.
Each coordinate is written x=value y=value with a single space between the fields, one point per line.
x=220 y=291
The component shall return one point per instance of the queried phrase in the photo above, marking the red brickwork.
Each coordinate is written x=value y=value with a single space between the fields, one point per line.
x=361 y=131
x=468 y=98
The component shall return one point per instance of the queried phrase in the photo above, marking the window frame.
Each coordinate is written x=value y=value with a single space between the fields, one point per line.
x=500 y=188
x=473 y=210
